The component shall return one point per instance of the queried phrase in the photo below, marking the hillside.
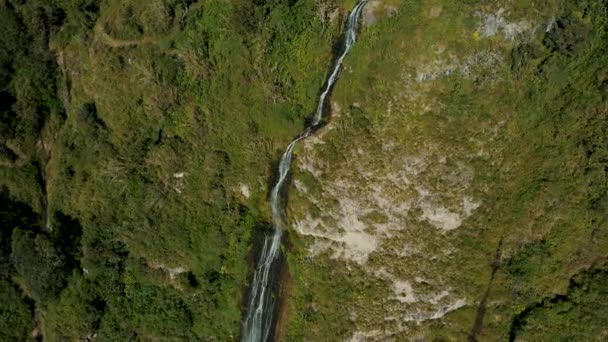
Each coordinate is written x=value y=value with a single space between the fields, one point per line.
x=457 y=191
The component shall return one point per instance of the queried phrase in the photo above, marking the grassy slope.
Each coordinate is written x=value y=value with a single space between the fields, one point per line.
x=207 y=94
x=537 y=118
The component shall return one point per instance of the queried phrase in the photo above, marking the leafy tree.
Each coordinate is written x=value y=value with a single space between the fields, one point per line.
x=12 y=215
x=16 y=322
x=39 y=263
x=159 y=311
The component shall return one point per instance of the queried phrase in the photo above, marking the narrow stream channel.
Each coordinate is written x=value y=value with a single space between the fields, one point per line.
x=261 y=304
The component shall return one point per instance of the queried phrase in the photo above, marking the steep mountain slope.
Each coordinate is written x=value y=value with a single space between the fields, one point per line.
x=154 y=128
x=458 y=191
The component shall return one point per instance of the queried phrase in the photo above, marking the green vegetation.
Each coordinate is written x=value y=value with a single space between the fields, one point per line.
x=137 y=140
x=527 y=116
x=16 y=321
x=129 y=129
x=579 y=313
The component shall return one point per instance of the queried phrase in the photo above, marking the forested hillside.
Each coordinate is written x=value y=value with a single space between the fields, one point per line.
x=458 y=191
x=137 y=142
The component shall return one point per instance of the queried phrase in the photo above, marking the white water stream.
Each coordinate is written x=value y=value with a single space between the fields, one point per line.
x=258 y=320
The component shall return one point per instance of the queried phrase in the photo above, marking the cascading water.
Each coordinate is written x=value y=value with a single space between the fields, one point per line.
x=260 y=307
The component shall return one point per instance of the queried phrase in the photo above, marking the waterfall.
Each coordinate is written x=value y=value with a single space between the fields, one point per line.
x=260 y=306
